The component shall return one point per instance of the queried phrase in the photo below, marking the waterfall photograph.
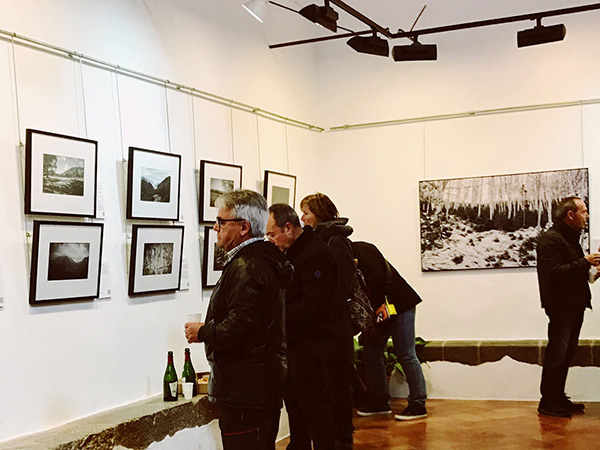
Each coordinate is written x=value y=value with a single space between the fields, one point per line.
x=494 y=221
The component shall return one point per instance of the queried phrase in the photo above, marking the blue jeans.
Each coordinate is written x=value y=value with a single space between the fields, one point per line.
x=401 y=328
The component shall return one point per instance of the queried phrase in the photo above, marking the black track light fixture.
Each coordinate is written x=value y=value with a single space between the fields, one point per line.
x=415 y=52
x=371 y=45
x=325 y=16
x=541 y=34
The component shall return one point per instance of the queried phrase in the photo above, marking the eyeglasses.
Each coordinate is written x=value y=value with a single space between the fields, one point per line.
x=221 y=221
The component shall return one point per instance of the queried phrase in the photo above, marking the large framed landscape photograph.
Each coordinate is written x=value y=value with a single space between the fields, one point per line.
x=494 y=221
x=65 y=263
x=215 y=179
x=60 y=174
x=214 y=259
x=153 y=185
x=279 y=188
x=156 y=256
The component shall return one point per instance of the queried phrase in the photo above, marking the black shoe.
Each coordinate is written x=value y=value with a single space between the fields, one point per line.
x=575 y=408
x=553 y=409
x=412 y=412
x=373 y=410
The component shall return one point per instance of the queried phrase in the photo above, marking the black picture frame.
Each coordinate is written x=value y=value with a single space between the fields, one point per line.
x=156 y=259
x=153 y=185
x=492 y=222
x=216 y=178
x=213 y=260
x=279 y=188
x=60 y=174
x=66 y=262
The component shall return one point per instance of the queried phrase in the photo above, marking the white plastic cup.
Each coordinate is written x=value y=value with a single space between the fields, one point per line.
x=188 y=390
x=197 y=317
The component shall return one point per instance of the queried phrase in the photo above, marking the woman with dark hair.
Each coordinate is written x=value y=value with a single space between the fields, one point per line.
x=321 y=214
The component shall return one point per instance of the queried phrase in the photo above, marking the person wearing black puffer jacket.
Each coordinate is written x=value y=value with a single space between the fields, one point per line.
x=244 y=330
x=320 y=213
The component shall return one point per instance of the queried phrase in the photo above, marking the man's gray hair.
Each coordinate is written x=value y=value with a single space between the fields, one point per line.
x=248 y=205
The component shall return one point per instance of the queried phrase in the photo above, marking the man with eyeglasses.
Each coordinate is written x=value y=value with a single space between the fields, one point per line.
x=309 y=326
x=244 y=328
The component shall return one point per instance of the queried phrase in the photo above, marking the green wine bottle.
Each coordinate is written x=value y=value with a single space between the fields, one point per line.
x=188 y=375
x=170 y=380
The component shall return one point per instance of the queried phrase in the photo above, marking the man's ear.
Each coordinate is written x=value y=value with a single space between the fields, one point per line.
x=288 y=227
x=245 y=229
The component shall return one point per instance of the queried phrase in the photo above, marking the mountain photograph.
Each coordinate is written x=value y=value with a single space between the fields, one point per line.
x=63 y=175
x=155 y=185
x=68 y=261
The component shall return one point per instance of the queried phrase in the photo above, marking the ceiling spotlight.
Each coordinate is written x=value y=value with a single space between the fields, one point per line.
x=325 y=16
x=541 y=35
x=372 y=45
x=257 y=8
x=415 y=52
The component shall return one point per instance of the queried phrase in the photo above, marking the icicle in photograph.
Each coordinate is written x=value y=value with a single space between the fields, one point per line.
x=494 y=221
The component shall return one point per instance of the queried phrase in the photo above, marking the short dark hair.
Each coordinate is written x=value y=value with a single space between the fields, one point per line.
x=564 y=206
x=321 y=206
x=283 y=214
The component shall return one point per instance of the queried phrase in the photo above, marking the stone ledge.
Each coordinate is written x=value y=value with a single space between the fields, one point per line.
x=528 y=351
x=134 y=426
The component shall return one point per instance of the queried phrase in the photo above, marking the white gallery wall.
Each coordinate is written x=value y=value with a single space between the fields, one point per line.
x=373 y=172
x=67 y=361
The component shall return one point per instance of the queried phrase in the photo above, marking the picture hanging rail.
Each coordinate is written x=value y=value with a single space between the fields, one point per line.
x=492 y=222
x=60 y=174
x=279 y=188
x=118 y=69
x=66 y=260
x=216 y=178
x=156 y=259
x=213 y=260
x=153 y=185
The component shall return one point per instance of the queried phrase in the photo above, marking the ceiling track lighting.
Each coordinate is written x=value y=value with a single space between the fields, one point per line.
x=325 y=16
x=541 y=34
x=415 y=52
x=371 y=45
x=374 y=45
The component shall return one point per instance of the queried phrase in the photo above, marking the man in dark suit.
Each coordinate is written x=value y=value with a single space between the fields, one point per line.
x=562 y=270
x=308 y=318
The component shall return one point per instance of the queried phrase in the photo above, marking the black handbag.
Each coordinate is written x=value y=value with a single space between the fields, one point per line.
x=362 y=315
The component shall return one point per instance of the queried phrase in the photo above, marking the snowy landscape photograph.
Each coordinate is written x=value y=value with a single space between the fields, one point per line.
x=494 y=221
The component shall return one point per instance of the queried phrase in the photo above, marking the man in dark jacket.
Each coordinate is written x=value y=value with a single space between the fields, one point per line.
x=562 y=272
x=308 y=318
x=244 y=328
x=385 y=283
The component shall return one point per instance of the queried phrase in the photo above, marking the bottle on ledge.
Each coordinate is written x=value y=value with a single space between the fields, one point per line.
x=188 y=375
x=170 y=380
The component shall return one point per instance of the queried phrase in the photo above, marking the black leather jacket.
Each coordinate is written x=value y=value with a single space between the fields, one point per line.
x=562 y=270
x=244 y=329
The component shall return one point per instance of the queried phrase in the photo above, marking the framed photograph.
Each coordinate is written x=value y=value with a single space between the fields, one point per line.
x=65 y=263
x=492 y=222
x=280 y=188
x=60 y=174
x=215 y=179
x=153 y=181
x=214 y=259
x=155 y=262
